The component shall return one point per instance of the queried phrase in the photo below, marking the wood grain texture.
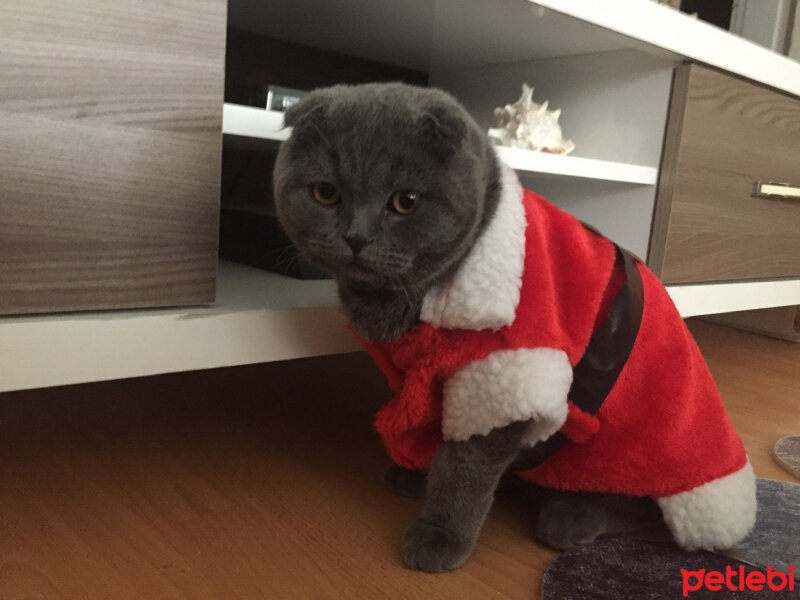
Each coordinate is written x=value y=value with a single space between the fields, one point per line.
x=733 y=134
x=666 y=175
x=110 y=142
x=263 y=482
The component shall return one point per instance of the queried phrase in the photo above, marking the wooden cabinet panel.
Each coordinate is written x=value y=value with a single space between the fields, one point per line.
x=110 y=142
x=724 y=135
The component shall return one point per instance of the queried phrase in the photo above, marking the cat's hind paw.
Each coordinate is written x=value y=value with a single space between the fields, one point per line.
x=562 y=524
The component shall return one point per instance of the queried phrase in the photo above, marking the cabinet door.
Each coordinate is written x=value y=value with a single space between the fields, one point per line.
x=110 y=142
x=713 y=221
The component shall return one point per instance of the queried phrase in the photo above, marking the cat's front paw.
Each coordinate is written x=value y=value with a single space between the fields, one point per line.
x=433 y=548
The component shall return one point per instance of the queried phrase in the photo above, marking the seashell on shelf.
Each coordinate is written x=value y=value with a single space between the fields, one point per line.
x=526 y=124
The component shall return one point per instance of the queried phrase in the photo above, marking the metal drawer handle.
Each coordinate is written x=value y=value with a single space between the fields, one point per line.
x=769 y=189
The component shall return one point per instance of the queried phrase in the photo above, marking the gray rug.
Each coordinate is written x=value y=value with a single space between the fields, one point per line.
x=625 y=568
x=775 y=539
x=787 y=454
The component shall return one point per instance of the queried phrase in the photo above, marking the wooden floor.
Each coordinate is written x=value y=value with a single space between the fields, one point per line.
x=263 y=482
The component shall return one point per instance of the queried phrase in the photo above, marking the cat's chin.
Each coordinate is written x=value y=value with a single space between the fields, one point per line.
x=369 y=282
x=357 y=275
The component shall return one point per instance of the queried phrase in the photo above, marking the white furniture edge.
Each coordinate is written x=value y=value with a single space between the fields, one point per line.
x=673 y=31
x=253 y=122
x=63 y=350
x=246 y=121
x=714 y=298
x=100 y=346
x=258 y=317
x=575 y=166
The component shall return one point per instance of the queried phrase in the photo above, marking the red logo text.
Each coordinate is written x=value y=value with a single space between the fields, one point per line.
x=736 y=579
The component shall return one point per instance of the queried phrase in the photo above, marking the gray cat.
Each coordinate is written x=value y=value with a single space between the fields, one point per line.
x=394 y=190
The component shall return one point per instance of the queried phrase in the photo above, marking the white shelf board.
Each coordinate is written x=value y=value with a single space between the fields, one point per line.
x=246 y=121
x=715 y=298
x=258 y=317
x=575 y=166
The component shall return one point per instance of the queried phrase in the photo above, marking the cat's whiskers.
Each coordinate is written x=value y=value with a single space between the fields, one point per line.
x=405 y=291
x=393 y=259
x=397 y=281
x=284 y=254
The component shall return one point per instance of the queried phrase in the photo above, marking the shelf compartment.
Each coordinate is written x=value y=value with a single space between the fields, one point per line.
x=426 y=36
x=664 y=31
x=246 y=121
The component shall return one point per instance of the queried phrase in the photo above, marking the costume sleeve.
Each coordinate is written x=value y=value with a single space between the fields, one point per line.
x=507 y=386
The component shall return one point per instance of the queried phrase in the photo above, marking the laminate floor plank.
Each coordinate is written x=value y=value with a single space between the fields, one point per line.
x=264 y=482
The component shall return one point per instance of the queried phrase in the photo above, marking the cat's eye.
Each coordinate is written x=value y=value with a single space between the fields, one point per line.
x=325 y=193
x=403 y=203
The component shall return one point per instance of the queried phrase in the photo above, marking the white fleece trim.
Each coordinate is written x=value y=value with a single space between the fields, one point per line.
x=506 y=387
x=484 y=292
x=718 y=514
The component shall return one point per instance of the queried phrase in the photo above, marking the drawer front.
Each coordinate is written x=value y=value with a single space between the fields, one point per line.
x=724 y=136
x=110 y=141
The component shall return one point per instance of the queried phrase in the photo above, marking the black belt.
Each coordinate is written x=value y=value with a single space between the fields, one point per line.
x=606 y=354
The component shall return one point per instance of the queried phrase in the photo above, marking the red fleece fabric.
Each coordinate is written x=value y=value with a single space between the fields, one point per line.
x=662 y=429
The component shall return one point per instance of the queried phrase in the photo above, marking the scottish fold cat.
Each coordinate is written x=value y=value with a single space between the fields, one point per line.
x=482 y=304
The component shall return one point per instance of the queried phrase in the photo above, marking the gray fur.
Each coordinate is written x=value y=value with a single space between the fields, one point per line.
x=459 y=493
x=370 y=141
x=569 y=519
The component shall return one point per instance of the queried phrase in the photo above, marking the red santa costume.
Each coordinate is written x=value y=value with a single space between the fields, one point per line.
x=498 y=342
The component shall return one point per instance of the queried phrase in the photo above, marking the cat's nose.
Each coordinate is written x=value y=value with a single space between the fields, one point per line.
x=356 y=242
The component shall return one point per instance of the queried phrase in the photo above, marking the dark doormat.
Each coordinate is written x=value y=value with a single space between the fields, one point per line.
x=775 y=539
x=625 y=568
x=787 y=454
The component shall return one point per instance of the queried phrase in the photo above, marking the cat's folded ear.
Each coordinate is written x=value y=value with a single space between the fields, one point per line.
x=306 y=108
x=443 y=130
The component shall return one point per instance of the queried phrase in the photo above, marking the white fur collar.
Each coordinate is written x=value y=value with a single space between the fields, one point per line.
x=484 y=292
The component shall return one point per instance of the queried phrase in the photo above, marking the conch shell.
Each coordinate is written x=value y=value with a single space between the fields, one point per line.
x=528 y=125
